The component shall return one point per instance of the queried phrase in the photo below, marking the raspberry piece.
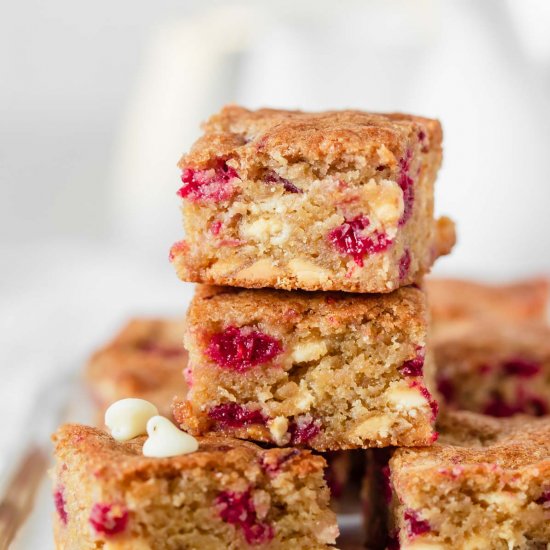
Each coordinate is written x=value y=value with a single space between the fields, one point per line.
x=348 y=238
x=544 y=499
x=59 y=501
x=234 y=415
x=428 y=396
x=446 y=388
x=522 y=367
x=215 y=228
x=415 y=525
x=404 y=264
x=237 y=508
x=499 y=408
x=240 y=349
x=212 y=184
x=303 y=429
x=407 y=186
x=273 y=177
x=109 y=519
x=414 y=367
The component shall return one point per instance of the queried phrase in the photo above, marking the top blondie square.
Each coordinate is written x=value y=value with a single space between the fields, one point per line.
x=338 y=200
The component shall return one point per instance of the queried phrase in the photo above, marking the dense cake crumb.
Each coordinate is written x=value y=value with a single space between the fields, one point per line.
x=328 y=371
x=340 y=200
x=229 y=494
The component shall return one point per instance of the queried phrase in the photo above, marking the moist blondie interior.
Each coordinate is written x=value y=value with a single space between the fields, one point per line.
x=329 y=371
x=484 y=484
x=340 y=200
x=229 y=494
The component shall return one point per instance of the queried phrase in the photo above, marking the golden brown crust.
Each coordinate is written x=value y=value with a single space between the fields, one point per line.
x=393 y=311
x=108 y=459
x=486 y=341
x=482 y=443
x=454 y=299
x=331 y=137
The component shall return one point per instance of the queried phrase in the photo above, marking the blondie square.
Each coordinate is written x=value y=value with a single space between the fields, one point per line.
x=229 y=494
x=493 y=366
x=146 y=360
x=329 y=371
x=339 y=200
x=484 y=485
x=458 y=300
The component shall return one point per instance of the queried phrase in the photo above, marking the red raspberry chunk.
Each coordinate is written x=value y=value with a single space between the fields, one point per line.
x=210 y=185
x=59 y=501
x=234 y=415
x=427 y=395
x=519 y=366
x=414 y=367
x=404 y=264
x=349 y=238
x=415 y=525
x=406 y=183
x=109 y=519
x=237 y=508
x=240 y=349
x=303 y=430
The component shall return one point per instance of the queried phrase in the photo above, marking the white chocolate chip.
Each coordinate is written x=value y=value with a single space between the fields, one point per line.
x=278 y=428
x=165 y=439
x=403 y=397
x=309 y=351
x=128 y=418
x=424 y=545
x=307 y=272
x=263 y=229
x=373 y=427
x=260 y=270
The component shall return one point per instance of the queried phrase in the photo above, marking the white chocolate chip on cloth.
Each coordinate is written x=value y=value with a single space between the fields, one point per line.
x=127 y=418
x=166 y=439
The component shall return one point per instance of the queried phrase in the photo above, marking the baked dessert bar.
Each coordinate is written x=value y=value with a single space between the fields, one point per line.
x=339 y=200
x=329 y=371
x=455 y=300
x=146 y=360
x=484 y=485
x=496 y=367
x=229 y=494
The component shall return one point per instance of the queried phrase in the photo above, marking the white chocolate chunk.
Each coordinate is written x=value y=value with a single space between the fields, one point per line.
x=165 y=439
x=263 y=229
x=308 y=272
x=309 y=351
x=373 y=427
x=127 y=418
x=278 y=428
x=404 y=398
x=260 y=270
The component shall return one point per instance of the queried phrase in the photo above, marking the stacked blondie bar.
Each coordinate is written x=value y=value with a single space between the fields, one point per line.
x=309 y=235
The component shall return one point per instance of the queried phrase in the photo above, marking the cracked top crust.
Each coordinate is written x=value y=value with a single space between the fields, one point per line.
x=331 y=139
x=109 y=460
x=476 y=443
